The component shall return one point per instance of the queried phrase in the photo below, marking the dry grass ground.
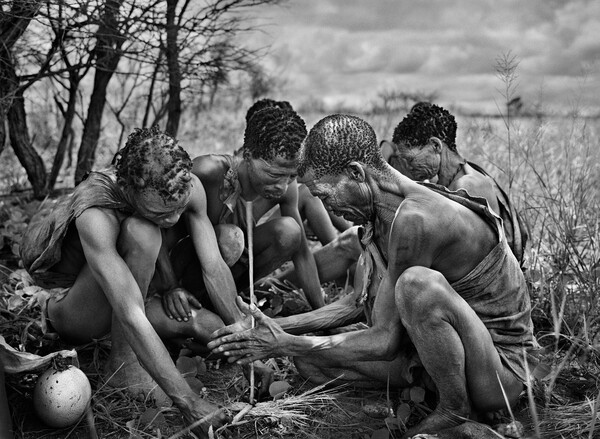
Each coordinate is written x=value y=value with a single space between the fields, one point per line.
x=551 y=167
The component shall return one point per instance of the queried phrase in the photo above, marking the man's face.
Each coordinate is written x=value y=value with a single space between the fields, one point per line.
x=342 y=195
x=420 y=163
x=270 y=179
x=150 y=204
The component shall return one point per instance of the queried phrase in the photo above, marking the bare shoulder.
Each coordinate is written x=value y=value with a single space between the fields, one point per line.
x=210 y=169
x=99 y=222
x=198 y=196
x=413 y=217
x=428 y=215
x=475 y=183
x=99 y=214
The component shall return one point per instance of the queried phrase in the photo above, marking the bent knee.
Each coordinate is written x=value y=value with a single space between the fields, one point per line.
x=420 y=291
x=231 y=242
x=139 y=237
x=286 y=234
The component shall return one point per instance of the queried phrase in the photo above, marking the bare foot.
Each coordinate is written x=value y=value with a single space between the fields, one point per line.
x=210 y=414
x=133 y=379
x=439 y=420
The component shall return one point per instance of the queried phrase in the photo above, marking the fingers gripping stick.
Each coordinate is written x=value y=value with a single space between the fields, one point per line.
x=249 y=223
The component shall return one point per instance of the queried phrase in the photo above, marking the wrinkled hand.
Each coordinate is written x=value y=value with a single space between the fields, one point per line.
x=177 y=304
x=202 y=414
x=244 y=345
x=263 y=377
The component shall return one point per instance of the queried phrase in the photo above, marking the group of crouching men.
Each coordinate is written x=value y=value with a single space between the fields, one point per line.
x=434 y=243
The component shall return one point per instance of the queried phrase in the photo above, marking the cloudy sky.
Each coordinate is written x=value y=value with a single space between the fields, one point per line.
x=348 y=51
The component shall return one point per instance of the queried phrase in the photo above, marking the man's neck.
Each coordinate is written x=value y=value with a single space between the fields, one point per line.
x=248 y=192
x=388 y=192
x=451 y=164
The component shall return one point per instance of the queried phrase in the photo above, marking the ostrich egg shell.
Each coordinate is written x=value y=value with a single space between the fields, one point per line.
x=61 y=397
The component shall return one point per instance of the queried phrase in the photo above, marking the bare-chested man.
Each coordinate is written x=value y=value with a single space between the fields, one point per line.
x=440 y=286
x=265 y=173
x=103 y=241
x=423 y=147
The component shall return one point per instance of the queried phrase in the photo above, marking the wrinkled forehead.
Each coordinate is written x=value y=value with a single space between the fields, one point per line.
x=313 y=180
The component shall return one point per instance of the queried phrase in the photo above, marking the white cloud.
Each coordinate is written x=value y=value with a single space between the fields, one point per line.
x=351 y=49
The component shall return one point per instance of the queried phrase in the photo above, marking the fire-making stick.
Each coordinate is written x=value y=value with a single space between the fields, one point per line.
x=249 y=224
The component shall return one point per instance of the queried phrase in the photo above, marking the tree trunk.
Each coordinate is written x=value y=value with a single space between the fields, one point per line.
x=107 y=54
x=66 y=135
x=172 y=52
x=27 y=155
x=12 y=110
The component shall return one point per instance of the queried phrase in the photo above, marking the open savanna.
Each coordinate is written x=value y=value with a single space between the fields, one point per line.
x=550 y=165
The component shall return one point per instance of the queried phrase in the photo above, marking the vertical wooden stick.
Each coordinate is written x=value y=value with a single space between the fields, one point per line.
x=249 y=223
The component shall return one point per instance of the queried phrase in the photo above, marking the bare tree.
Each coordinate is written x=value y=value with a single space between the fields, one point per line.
x=107 y=53
x=13 y=24
x=179 y=48
x=199 y=53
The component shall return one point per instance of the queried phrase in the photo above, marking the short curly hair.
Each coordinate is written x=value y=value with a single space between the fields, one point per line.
x=266 y=103
x=273 y=132
x=426 y=120
x=156 y=159
x=336 y=141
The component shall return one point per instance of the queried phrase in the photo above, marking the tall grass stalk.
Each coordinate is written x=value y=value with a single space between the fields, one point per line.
x=506 y=71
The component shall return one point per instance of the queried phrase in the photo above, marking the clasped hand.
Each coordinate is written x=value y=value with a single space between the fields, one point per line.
x=244 y=344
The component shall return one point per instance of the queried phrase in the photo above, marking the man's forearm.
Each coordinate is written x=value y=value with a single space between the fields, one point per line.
x=308 y=278
x=340 y=313
x=222 y=292
x=363 y=345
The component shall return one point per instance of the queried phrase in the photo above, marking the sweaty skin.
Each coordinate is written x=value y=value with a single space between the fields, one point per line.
x=414 y=303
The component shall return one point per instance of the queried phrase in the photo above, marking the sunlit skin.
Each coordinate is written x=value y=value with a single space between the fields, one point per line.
x=266 y=184
x=425 y=251
x=113 y=254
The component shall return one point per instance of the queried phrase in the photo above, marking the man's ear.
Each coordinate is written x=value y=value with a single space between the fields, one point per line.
x=356 y=171
x=436 y=143
x=139 y=182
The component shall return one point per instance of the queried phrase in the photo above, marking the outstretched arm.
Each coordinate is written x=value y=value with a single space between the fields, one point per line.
x=217 y=276
x=99 y=232
x=304 y=261
x=269 y=339
x=380 y=342
x=339 y=313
